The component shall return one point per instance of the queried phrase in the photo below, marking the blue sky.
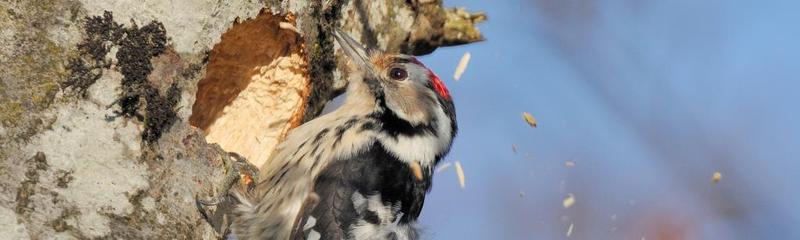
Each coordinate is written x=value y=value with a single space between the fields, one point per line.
x=648 y=98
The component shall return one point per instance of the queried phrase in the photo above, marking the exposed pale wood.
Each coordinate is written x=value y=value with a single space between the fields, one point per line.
x=255 y=88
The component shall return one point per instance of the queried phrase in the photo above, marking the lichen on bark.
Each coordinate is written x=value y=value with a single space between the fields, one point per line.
x=96 y=99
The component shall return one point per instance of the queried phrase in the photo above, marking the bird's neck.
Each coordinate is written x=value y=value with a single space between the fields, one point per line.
x=359 y=99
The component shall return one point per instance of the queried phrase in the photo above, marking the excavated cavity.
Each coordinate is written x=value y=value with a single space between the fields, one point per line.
x=255 y=87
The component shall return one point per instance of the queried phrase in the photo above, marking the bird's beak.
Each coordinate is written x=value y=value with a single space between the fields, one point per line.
x=354 y=50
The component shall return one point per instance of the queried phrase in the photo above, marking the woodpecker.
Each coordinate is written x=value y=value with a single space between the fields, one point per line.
x=363 y=170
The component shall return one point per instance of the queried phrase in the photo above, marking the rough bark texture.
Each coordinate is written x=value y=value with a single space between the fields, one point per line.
x=108 y=108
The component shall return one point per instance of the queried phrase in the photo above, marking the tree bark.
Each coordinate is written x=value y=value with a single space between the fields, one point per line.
x=115 y=115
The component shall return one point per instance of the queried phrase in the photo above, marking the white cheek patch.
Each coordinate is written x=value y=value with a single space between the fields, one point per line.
x=421 y=148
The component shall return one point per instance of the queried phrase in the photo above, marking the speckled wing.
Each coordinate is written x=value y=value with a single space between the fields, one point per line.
x=287 y=180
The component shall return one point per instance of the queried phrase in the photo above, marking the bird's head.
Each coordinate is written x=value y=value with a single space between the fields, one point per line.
x=408 y=89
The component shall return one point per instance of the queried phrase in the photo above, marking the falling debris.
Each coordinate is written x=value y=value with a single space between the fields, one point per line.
x=529 y=118
x=569 y=230
x=443 y=167
x=460 y=173
x=716 y=177
x=569 y=164
x=290 y=27
x=514 y=148
x=417 y=170
x=462 y=66
x=521 y=194
x=569 y=201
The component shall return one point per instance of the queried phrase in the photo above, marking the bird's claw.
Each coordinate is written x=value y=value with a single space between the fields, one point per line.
x=237 y=171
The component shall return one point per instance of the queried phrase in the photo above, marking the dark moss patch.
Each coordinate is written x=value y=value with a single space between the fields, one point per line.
x=136 y=46
x=27 y=189
x=63 y=178
x=135 y=50
x=160 y=113
x=88 y=66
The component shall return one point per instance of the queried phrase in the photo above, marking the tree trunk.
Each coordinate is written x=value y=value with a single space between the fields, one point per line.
x=114 y=115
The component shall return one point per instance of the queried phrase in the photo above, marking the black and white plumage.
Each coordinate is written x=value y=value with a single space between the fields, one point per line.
x=354 y=173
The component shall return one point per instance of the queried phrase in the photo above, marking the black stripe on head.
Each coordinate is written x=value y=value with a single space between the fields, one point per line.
x=394 y=125
x=374 y=86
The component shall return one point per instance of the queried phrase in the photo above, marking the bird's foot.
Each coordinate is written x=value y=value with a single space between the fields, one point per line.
x=216 y=208
x=238 y=170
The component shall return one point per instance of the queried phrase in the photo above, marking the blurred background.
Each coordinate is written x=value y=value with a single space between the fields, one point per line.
x=648 y=99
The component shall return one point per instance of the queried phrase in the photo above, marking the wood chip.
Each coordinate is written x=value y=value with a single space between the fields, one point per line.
x=289 y=26
x=529 y=119
x=569 y=230
x=443 y=167
x=569 y=201
x=417 y=170
x=462 y=66
x=460 y=173
x=569 y=164
x=716 y=177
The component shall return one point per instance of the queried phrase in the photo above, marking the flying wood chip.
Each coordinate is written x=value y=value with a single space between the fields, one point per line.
x=569 y=164
x=290 y=27
x=462 y=66
x=443 y=167
x=460 y=173
x=569 y=230
x=569 y=201
x=529 y=118
x=417 y=170
x=716 y=177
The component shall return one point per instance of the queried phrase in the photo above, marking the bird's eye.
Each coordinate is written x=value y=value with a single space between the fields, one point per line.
x=398 y=74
